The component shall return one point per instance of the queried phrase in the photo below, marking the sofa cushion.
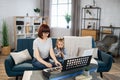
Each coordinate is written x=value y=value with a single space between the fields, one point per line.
x=21 y=56
x=27 y=65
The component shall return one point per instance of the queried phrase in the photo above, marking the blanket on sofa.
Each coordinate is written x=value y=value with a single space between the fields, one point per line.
x=72 y=43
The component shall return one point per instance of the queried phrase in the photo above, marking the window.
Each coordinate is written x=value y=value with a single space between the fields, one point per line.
x=59 y=8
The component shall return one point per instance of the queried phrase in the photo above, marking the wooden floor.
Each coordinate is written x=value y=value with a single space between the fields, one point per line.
x=113 y=74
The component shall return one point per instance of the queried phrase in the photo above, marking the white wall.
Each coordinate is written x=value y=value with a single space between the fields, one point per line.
x=11 y=8
x=60 y=32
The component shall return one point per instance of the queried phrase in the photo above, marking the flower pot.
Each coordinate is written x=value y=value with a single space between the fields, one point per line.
x=6 y=50
x=37 y=14
x=86 y=73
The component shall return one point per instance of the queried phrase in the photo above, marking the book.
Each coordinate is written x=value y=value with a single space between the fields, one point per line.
x=83 y=77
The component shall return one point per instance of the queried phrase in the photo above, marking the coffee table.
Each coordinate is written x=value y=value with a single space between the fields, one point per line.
x=37 y=74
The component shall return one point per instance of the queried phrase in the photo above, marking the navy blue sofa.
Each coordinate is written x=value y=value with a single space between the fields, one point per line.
x=104 y=60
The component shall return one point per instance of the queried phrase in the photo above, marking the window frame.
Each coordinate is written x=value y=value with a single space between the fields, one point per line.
x=69 y=9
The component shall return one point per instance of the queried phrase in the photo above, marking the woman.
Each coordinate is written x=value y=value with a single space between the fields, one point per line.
x=42 y=47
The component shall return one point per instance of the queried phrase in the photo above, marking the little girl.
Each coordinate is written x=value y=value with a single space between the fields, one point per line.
x=59 y=50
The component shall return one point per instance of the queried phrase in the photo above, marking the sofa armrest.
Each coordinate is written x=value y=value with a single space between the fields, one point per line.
x=9 y=63
x=106 y=58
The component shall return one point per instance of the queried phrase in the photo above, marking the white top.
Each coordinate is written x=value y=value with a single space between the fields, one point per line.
x=42 y=46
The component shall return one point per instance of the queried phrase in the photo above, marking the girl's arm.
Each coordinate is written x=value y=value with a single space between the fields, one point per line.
x=63 y=54
x=38 y=57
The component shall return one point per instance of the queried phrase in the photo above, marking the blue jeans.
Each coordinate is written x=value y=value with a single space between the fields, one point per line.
x=60 y=59
x=39 y=65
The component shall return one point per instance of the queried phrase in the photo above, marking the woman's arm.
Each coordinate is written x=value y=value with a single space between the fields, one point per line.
x=38 y=57
x=53 y=57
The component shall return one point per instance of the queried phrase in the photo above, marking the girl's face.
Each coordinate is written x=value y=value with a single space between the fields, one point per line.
x=60 y=44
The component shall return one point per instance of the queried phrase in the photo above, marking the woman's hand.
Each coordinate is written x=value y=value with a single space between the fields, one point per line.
x=58 y=63
x=49 y=65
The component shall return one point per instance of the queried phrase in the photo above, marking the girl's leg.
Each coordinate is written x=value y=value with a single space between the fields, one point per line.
x=61 y=60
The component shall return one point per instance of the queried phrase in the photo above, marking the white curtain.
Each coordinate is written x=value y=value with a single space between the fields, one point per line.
x=75 y=17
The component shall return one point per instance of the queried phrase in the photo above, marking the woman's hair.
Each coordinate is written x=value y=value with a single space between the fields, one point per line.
x=43 y=28
x=59 y=40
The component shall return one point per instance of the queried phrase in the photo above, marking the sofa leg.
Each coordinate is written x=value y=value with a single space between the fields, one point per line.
x=101 y=75
x=16 y=77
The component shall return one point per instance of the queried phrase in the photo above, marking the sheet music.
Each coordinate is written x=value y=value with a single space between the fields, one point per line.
x=88 y=52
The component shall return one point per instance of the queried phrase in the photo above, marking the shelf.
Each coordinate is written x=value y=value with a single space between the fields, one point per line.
x=26 y=27
x=19 y=25
x=90 y=22
x=106 y=33
x=37 y=23
x=110 y=27
x=91 y=8
x=91 y=19
x=20 y=34
x=90 y=29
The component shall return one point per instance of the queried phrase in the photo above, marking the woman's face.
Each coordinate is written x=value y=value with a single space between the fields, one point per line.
x=45 y=34
x=60 y=44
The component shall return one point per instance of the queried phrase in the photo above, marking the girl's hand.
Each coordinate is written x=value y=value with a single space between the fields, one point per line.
x=62 y=55
x=49 y=65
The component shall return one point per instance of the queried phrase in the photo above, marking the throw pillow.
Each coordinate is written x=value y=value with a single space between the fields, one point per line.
x=82 y=50
x=21 y=56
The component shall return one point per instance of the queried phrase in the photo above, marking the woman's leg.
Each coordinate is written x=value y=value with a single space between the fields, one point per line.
x=38 y=64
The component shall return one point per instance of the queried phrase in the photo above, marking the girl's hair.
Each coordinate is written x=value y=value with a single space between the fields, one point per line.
x=60 y=40
x=43 y=28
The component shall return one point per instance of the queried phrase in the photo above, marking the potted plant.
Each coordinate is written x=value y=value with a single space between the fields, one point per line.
x=37 y=11
x=86 y=71
x=5 y=40
x=68 y=19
